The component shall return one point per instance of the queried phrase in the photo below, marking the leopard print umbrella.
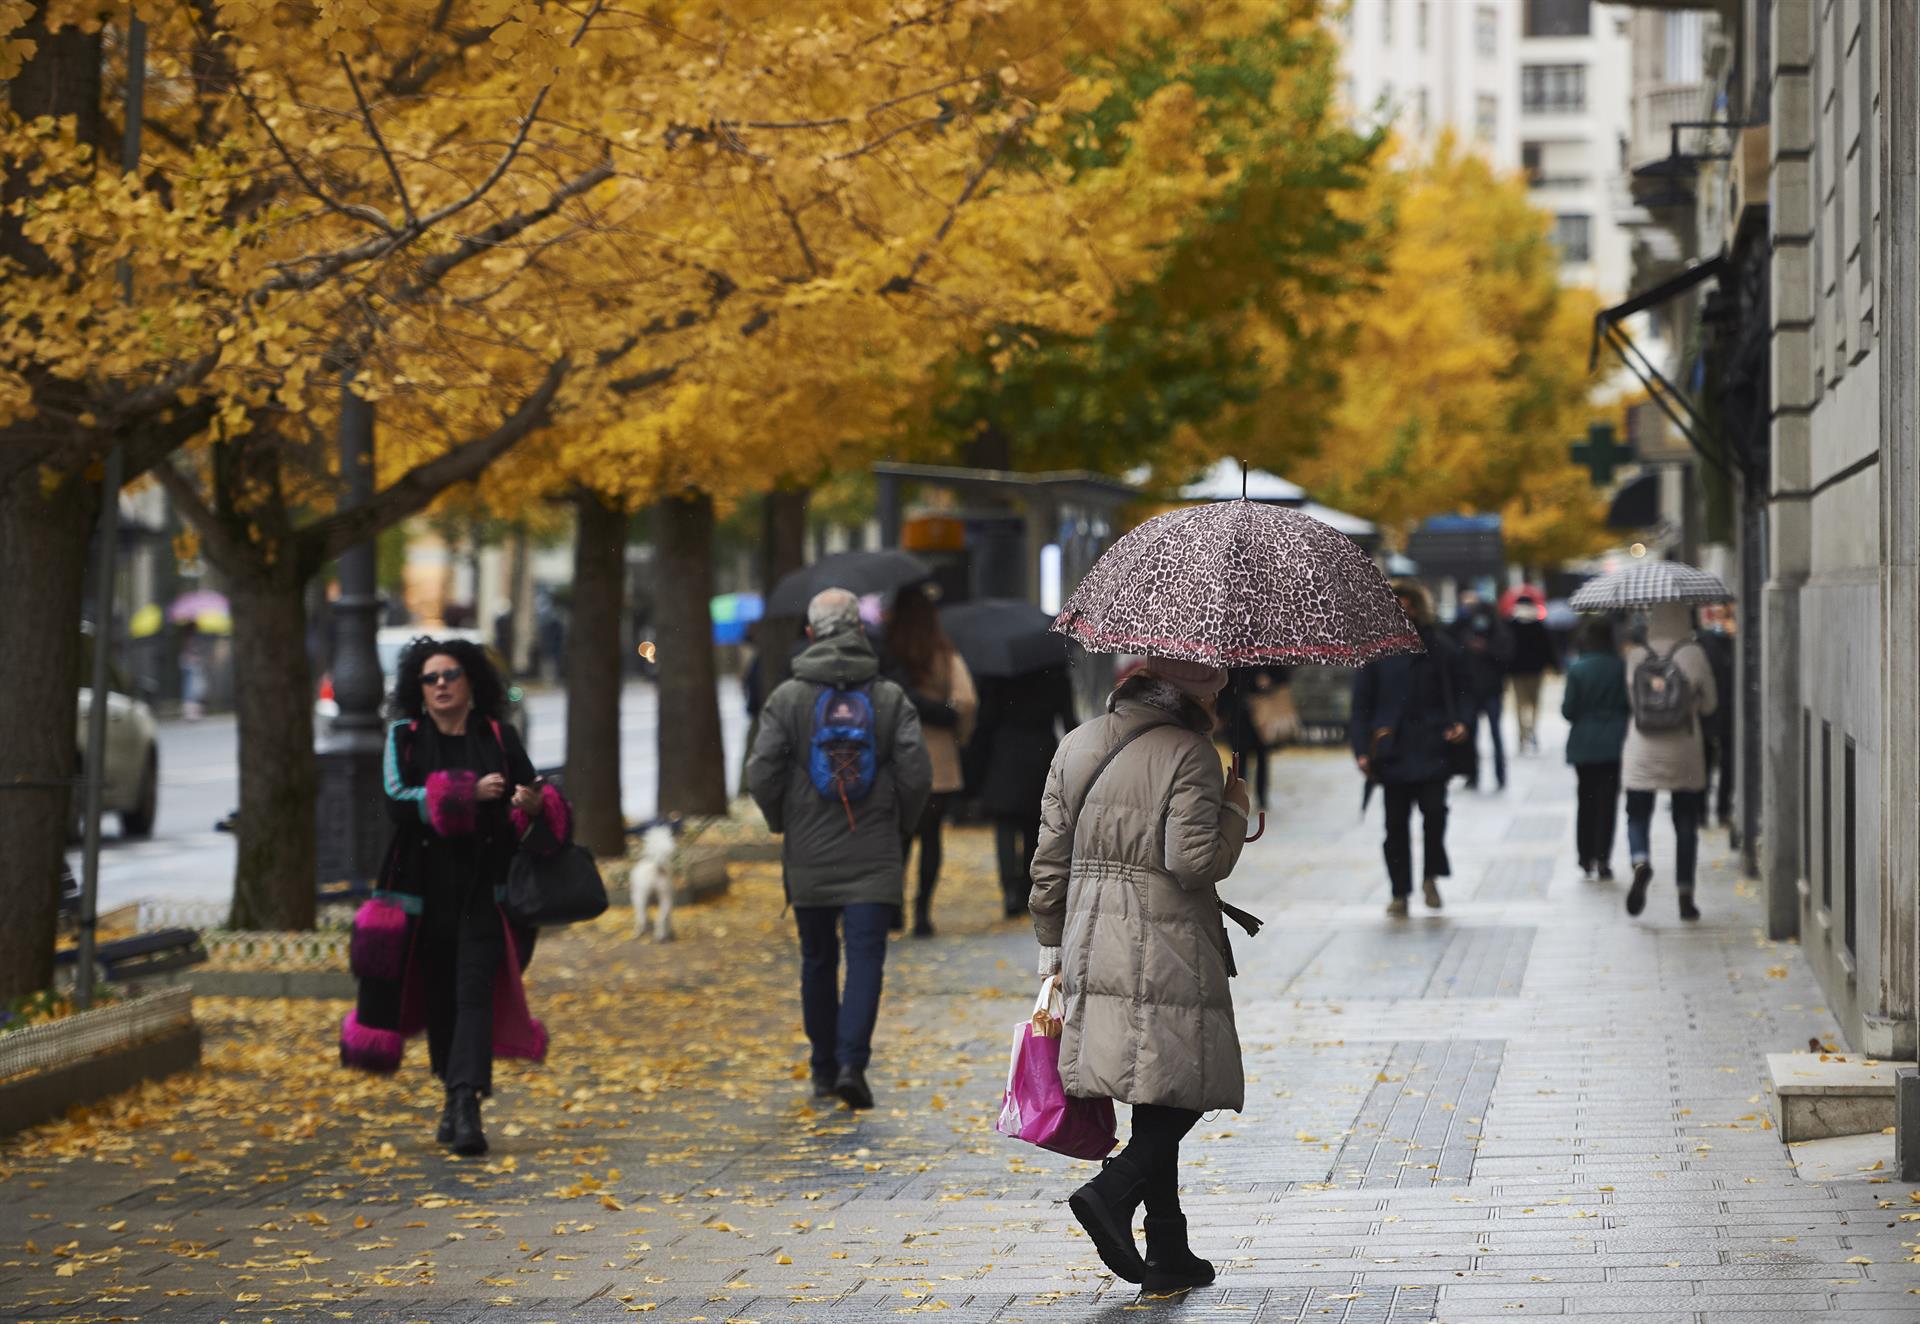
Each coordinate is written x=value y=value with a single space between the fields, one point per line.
x=1238 y=583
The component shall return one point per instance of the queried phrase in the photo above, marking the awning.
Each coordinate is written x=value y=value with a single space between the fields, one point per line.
x=1637 y=504
x=1671 y=400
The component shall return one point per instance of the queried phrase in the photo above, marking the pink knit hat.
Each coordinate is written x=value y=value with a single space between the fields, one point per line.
x=1195 y=678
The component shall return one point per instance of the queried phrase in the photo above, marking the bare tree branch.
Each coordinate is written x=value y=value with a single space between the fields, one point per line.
x=327 y=537
x=373 y=132
x=215 y=538
x=437 y=266
x=352 y=211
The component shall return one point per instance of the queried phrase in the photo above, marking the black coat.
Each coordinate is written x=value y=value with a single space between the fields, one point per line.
x=1402 y=707
x=1019 y=727
x=1236 y=706
x=1532 y=649
x=1488 y=648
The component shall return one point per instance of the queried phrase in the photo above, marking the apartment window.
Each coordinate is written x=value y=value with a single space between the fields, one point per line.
x=1532 y=157
x=1420 y=18
x=1486 y=31
x=1421 y=110
x=1826 y=816
x=1847 y=852
x=1386 y=23
x=1486 y=117
x=1557 y=18
x=1573 y=236
x=1547 y=89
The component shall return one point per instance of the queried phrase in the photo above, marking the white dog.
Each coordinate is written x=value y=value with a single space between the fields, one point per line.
x=651 y=880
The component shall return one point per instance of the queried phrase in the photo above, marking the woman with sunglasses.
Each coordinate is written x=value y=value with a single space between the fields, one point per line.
x=433 y=950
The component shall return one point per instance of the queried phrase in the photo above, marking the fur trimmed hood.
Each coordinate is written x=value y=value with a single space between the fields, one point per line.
x=1145 y=687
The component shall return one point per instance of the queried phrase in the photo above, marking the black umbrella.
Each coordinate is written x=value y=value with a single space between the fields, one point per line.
x=1002 y=637
x=860 y=573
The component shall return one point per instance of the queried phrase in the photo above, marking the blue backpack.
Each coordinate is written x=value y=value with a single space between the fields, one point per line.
x=843 y=755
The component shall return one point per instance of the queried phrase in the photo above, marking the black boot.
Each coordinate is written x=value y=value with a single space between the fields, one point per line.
x=1171 y=1267
x=1105 y=1208
x=851 y=1085
x=1687 y=909
x=444 y=1135
x=923 y=913
x=468 y=1138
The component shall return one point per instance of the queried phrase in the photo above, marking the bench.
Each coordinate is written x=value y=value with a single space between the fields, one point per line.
x=144 y=954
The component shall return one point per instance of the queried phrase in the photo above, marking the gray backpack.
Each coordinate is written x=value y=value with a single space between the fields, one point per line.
x=1662 y=693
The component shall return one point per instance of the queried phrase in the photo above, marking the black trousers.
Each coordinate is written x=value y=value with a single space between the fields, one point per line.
x=1720 y=762
x=1154 y=1147
x=928 y=833
x=1014 y=841
x=462 y=946
x=1598 y=813
x=1432 y=799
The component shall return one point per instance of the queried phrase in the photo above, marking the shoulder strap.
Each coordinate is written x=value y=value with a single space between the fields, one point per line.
x=1107 y=762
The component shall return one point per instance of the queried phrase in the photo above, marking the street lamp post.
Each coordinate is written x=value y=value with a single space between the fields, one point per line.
x=350 y=808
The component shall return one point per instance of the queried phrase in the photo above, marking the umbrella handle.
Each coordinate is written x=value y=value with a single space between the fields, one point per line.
x=1261 y=830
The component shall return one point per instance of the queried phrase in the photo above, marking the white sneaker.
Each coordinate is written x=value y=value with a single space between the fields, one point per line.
x=1397 y=908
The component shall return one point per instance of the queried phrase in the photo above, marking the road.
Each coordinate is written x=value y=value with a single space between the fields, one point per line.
x=186 y=860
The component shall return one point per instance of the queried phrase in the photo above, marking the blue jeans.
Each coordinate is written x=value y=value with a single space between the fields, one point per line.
x=840 y=1026
x=1689 y=808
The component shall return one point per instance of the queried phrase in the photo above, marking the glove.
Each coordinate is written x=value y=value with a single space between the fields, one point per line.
x=1049 y=961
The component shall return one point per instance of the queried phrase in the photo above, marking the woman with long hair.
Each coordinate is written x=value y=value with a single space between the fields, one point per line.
x=930 y=669
x=433 y=950
x=1138 y=825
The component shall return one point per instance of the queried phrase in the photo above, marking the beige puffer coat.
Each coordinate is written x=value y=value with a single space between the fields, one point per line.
x=1129 y=898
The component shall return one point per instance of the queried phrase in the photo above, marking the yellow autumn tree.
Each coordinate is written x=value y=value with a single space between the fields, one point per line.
x=871 y=234
x=1465 y=376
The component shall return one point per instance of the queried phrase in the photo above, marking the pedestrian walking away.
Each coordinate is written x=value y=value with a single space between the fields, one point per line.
x=1021 y=721
x=1671 y=688
x=1533 y=657
x=433 y=949
x=1138 y=827
x=1717 y=638
x=840 y=771
x=1488 y=646
x=1257 y=713
x=934 y=676
x=1596 y=706
x=1410 y=731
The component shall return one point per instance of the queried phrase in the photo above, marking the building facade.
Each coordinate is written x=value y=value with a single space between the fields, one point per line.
x=1842 y=659
x=1573 y=83
x=1536 y=85
x=1437 y=66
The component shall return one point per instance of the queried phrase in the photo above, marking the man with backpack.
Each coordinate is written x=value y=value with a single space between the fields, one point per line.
x=1671 y=690
x=839 y=769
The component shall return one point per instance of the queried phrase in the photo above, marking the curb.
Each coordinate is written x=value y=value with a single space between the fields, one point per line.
x=45 y=1095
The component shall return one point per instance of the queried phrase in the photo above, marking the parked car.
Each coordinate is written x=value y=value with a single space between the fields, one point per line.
x=132 y=789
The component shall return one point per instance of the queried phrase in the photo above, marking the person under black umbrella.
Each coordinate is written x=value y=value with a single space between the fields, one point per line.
x=1021 y=721
x=1410 y=716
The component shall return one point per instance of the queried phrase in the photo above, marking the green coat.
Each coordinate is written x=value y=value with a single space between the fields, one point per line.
x=1596 y=703
x=829 y=861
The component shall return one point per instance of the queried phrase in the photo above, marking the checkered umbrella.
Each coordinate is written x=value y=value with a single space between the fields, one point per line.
x=1649 y=584
x=1238 y=583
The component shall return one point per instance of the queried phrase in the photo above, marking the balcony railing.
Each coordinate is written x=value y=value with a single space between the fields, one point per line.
x=1655 y=112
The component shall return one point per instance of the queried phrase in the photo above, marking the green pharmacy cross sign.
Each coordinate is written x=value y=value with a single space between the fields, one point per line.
x=1600 y=454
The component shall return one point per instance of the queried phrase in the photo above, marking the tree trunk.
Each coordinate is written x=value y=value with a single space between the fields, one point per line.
x=520 y=603
x=783 y=550
x=273 y=878
x=594 y=675
x=43 y=558
x=692 y=759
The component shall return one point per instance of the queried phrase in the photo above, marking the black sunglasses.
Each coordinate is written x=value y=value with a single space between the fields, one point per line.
x=432 y=678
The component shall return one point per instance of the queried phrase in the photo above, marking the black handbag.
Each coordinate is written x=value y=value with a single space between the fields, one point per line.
x=562 y=888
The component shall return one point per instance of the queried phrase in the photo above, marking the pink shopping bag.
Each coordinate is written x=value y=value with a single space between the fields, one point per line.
x=1035 y=1107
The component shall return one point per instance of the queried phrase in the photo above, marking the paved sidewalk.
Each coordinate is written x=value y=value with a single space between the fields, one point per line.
x=1525 y=1104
